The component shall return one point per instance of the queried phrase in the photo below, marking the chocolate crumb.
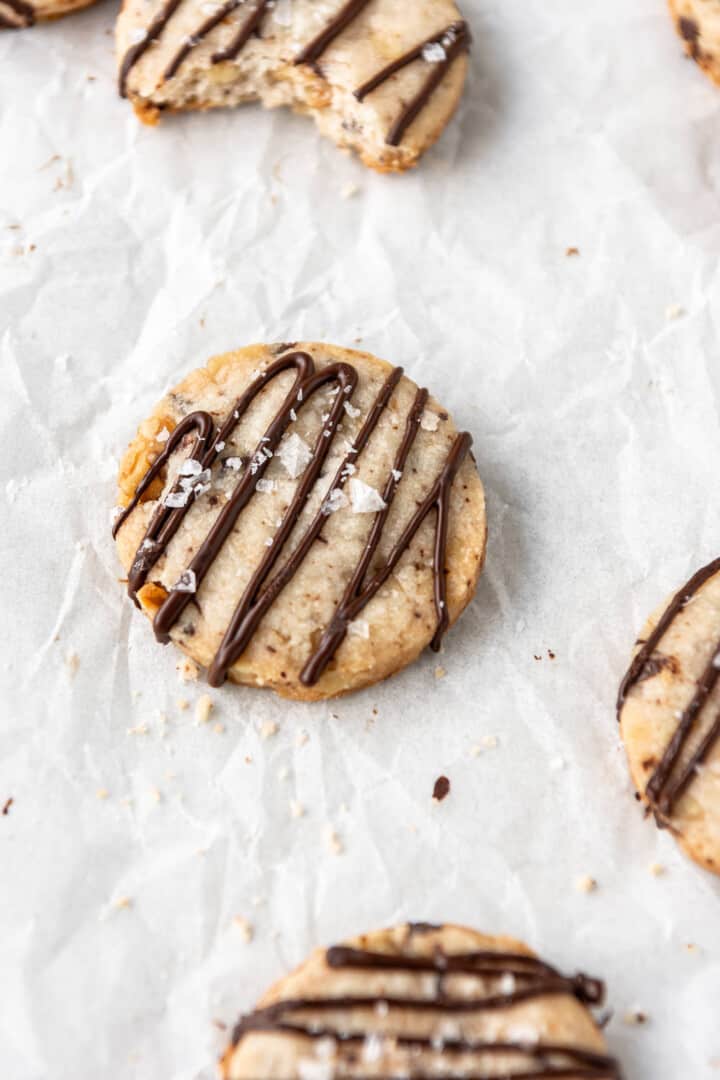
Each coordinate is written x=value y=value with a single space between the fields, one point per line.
x=441 y=789
x=6 y=807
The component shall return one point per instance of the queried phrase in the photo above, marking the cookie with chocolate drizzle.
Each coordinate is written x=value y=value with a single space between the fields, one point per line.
x=669 y=712
x=301 y=517
x=380 y=77
x=698 y=24
x=20 y=14
x=424 y=1001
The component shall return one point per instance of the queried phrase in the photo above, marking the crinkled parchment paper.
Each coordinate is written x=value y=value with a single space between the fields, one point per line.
x=138 y=839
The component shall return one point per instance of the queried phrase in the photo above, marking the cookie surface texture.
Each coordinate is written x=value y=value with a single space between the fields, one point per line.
x=300 y=517
x=379 y=77
x=698 y=24
x=669 y=711
x=421 y=1001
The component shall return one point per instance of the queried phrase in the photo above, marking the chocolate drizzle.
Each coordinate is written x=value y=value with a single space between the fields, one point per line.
x=668 y=782
x=529 y=979
x=25 y=15
x=261 y=593
x=453 y=40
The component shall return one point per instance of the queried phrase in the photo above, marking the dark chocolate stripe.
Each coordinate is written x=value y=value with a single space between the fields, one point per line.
x=254 y=603
x=455 y=39
x=259 y=596
x=662 y=790
x=315 y=48
x=135 y=52
x=567 y=1061
x=202 y=31
x=577 y=1063
x=24 y=11
x=243 y=35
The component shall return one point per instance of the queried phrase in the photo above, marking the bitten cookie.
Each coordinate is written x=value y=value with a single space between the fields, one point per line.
x=300 y=517
x=422 y=1001
x=380 y=77
x=20 y=14
x=669 y=711
x=698 y=23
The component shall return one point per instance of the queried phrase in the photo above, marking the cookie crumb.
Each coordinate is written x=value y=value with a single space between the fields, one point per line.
x=332 y=841
x=302 y=738
x=283 y=773
x=138 y=729
x=571 y=251
x=297 y=810
x=268 y=729
x=440 y=672
x=73 y=663
x=586 y=884
x=441 y=789
x=123 y=903
x=203 y=707
x=674 y=311
x=102 y=793
x=155 y=795
x=657 y=869
x=218 y=728
x=182 y=704
x=187 y=669
x=348 y=190
x=245 y=927
x=635 y=1018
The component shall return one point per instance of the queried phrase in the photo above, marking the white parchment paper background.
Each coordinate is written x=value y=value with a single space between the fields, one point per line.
x=130 y=255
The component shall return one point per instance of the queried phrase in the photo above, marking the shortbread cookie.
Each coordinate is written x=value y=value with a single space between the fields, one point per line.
x=380 y=77
x=669 y=710
x=301 y=517
x=19 y=14
x=698 y=23
x=423 y=1001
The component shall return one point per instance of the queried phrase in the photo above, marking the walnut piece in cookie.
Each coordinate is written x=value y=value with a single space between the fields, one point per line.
x=301 y=528
x=423 y=1000
x=669 y=712
x=378 y=77
x=698 y=24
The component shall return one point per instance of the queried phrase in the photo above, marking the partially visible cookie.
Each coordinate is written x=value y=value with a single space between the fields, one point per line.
x=379 y=77
x=669 y=711
x=20 y=14
x=698 y=23
x=301 y=517
x=423 y=1001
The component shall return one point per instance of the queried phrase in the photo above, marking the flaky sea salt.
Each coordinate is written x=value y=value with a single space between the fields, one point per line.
x=163 y=435
x=359 y=628
x=265 y=486
x=190 y=467
x=176 y=499
x=295 y=455
x=187 y=582
x=351 y=410
x=365 y=499
x=434 y=53
x=429 y=421
x=234 y=463
x=335 y=501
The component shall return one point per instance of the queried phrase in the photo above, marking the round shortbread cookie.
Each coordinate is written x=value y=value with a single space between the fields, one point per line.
x=301 y=517
x=698 y=23
x=420 y=1001
x=379 y=77
x=669 y=711
x=20 y=14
